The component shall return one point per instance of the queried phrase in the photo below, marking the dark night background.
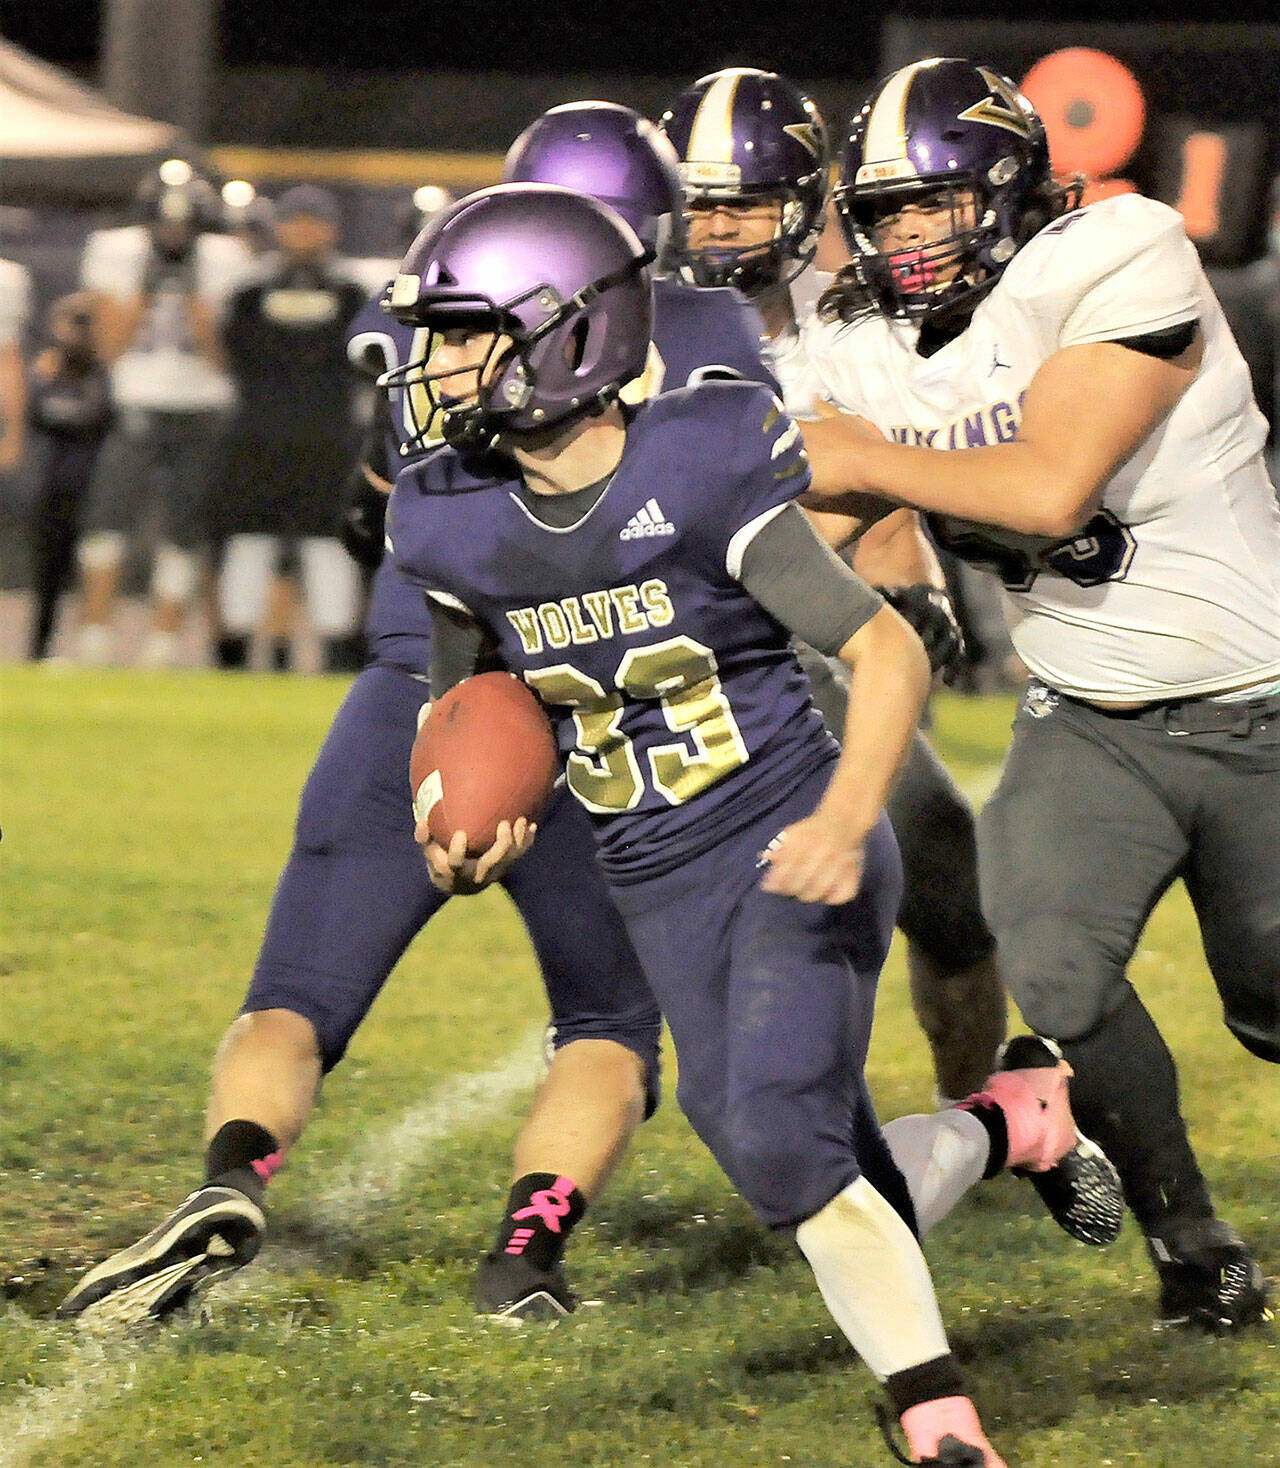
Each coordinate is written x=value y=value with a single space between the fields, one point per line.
x=822 y=38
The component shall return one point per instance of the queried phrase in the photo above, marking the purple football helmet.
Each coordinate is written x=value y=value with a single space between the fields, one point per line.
x=741 y=134
x=942 y=128
x=558 y=276
x=612 y=154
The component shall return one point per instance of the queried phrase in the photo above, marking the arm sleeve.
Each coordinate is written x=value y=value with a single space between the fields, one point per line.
x=458 y=644
x=799 y=580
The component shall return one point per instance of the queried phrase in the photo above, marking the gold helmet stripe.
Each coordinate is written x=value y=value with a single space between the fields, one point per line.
x=886 y=140
x=711 y=138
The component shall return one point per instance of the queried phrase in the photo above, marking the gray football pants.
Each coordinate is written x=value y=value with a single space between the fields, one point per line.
x=1094 y=818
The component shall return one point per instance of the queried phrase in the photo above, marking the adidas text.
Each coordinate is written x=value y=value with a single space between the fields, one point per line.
x=647 y=522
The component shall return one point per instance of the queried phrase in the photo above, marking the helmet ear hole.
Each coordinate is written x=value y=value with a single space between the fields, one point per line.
x=575 y=347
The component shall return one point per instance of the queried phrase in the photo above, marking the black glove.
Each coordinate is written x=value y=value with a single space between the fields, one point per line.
x=363 y=524
x=931 y=614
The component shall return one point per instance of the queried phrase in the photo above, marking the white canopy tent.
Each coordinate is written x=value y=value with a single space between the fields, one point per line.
x=62 y=142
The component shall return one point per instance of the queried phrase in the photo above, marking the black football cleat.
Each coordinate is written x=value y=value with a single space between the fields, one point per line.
x=1209 y=1280
x=1082 y=1189
x=952 y=1453
x=215 y=1231
x=510 y=1288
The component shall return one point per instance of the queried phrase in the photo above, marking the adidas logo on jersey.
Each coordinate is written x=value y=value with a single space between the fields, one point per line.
x=647 y=522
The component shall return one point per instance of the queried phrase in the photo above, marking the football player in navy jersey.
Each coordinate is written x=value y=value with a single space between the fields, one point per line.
x=355 y=891
x=1057 y=386
x=754 y=158
x=642 y=569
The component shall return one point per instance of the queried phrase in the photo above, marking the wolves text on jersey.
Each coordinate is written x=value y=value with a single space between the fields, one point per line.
x=594 y=615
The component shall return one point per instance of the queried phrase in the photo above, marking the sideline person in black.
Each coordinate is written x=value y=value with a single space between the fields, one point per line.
x=292 y=436
x=69 y=408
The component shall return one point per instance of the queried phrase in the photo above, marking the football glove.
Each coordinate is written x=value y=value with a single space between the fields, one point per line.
x=930 y=613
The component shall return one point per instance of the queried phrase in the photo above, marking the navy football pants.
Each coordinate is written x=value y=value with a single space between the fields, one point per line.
x=355 y=892
x=770 y=1002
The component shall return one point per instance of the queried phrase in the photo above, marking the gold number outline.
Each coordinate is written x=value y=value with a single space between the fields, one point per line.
x=693 y=702
x=602 y=771
x=681 y=675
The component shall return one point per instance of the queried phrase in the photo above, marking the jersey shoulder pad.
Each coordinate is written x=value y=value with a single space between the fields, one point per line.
x=742 y=456
x=709 y=327
x=372 y=337
x=806 y=291
x=442 y=470
x=1120 y=267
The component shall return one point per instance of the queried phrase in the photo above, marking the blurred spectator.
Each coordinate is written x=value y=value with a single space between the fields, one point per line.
x=248 y=215
x=69 y=408
x=159 y=288
x=15 y=304
x=292 y=436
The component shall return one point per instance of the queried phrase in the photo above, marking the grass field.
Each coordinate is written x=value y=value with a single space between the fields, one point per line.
x=145 y=819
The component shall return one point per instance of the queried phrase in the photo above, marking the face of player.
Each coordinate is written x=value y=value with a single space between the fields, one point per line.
x=917 y=227
x=458 y=359
x=733 y=224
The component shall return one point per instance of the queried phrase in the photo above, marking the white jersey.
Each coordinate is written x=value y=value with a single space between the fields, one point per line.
x=799 y=382
x=163 y=370
x=15 y=302
x=1173 y=587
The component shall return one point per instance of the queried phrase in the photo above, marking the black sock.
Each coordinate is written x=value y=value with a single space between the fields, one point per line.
x=992 y=1118
x=1125 y=1097
x=928 y=1382
x=542 y=1211
x=281 y=657
x=229 y=1158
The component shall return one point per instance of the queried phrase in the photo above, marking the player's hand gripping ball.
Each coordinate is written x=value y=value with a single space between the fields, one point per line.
x=484 y=754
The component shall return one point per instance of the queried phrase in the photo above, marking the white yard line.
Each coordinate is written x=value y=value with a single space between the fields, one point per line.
x=96 y=1372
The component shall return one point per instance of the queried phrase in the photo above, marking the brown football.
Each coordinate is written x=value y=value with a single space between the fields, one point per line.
x=485 y=753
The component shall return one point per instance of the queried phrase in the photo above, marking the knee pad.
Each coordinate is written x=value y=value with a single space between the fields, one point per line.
x=1060 y=977
x=173 y=578
x=101 y=550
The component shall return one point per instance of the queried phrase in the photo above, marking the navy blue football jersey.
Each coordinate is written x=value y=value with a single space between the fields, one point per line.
x=694 y=330
x=679 y=707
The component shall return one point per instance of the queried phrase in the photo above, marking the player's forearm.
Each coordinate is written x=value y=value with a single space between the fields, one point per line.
x=889 y=684
x=896 y=552
x=1017 y=485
